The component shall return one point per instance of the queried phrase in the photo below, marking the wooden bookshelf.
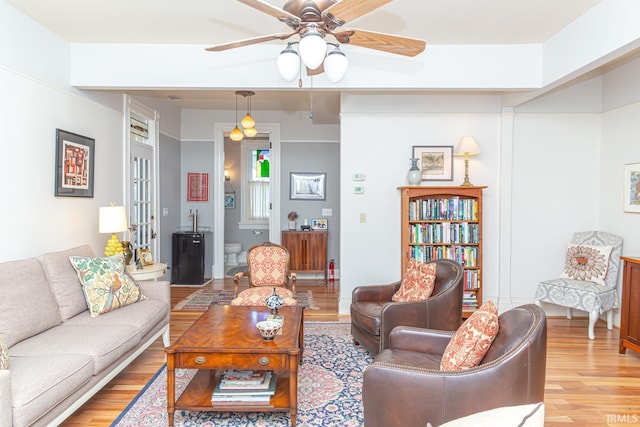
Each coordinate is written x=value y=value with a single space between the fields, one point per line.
x=445 y=222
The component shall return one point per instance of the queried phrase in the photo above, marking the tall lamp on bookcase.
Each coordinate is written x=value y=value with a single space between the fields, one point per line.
x=466 y=146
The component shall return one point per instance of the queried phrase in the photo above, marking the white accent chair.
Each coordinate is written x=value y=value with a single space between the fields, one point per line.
x=585 y=295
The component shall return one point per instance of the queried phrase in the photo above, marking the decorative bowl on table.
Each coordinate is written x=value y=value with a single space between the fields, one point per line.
x=268 y=328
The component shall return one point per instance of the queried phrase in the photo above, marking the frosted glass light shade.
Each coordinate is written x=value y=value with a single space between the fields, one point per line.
x=250 y=132
x=112 y=219
x=313 y=49
x=467 y=145
x=288 y=63
x=236 y=134
x=335 y=65
x=248 y=122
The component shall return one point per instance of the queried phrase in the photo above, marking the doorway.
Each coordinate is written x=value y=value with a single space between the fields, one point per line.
x=272 y=131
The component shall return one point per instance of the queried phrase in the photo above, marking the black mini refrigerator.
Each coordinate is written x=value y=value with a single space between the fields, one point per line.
x=188 y=258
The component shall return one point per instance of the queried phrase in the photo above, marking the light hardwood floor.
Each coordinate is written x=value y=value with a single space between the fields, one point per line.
x=587 y=384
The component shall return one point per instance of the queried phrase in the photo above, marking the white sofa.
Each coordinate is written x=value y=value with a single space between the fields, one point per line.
x=58 y=355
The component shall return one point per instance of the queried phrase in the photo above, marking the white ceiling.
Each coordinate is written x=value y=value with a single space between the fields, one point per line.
x=219 y=21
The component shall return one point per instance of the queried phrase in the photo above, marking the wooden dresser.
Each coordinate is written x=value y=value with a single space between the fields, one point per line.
x=630 y=310
x=307 y=251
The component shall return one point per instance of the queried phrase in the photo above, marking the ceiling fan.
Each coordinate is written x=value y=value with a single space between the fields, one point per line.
x=312 y=20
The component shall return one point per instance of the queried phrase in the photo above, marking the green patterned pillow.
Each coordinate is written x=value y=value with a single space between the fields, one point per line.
x=106 y=283
x=4 y=355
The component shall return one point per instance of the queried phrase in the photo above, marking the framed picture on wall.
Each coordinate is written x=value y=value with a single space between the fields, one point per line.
x=197 y=187
x=75 y=157
x=632 y=187
x=307 y=186
x=435 y=162
x=230 y=200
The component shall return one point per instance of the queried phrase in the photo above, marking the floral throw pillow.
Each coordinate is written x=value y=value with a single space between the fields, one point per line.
x=472 y=340
x=586 y=262
x=106 y=283
x=4 y=355
x=418 y=283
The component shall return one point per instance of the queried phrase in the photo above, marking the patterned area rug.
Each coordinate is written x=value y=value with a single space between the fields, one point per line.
x=329 y=389
x=202 y=298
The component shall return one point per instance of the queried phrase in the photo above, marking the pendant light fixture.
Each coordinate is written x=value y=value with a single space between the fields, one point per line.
x=248 y=123
x=236 y=134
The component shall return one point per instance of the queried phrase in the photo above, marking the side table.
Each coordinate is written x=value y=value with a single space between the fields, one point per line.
x=148 y=272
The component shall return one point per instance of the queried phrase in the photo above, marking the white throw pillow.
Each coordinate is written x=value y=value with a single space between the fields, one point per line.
x=586 y=262
x=531 y=415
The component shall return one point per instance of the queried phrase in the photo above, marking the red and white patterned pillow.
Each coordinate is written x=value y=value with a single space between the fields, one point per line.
x=418 y=283
x=586 y=262
x=258 y=296
x=472 y=340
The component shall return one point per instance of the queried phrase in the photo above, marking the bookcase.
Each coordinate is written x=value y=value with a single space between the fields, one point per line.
x=445 y=222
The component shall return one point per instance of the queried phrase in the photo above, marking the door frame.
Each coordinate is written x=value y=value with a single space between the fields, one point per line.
x=273 y=130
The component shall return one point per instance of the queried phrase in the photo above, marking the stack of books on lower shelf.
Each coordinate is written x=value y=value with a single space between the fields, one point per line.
x=244 y=386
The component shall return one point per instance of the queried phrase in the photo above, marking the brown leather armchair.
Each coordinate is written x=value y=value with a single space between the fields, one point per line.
x=404 y=385
x=374 y=315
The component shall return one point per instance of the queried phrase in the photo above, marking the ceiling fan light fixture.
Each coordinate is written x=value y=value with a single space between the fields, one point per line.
x=335 y=65
x=313 y=48
x=288 y=63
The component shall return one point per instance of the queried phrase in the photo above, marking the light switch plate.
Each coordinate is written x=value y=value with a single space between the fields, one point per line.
x=327 y=211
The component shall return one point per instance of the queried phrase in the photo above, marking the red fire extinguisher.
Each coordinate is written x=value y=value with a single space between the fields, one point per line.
x=332 y=270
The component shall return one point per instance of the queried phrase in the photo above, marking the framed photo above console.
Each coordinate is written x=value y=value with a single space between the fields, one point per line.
x=307 y=186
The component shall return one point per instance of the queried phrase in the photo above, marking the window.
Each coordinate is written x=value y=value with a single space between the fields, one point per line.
x=256 y=185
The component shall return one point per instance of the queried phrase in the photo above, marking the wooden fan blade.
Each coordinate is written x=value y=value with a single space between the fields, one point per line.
x=276 y=12
x=380 y=41
x=247 y=42
x=348 y=10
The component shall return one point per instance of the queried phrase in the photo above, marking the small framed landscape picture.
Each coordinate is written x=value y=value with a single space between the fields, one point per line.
x=435 y=162
x=307 y=186
x=632 y=187
x=145 y=257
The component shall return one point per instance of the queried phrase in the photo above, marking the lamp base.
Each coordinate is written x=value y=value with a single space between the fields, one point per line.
x=466 y=182
x=113 y=246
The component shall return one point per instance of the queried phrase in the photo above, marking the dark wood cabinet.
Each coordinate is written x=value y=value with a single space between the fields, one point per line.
x=630 y=310
x=307 y=251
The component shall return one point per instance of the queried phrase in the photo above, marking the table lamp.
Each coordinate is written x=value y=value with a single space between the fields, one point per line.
x=467 y=146
x=112 y=219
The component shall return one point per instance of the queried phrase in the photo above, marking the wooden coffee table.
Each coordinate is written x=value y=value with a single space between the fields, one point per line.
x=225 y=337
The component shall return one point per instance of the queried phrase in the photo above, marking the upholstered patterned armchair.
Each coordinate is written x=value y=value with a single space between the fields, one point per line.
x=580 y=287
x=268 y=266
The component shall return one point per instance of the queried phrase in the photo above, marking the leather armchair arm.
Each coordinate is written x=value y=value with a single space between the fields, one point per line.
x=374 y=293
x=427 y=341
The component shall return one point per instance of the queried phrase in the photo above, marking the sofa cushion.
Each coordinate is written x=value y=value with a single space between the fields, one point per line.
x=63 y=280
x=471 y=341
x=259 y=295
x=144 y=315
x=4 y=355
x=106 y=283
x=586 y=262
x=38 y=383
x=27 y=305
x=418 y=283
x=103 y=343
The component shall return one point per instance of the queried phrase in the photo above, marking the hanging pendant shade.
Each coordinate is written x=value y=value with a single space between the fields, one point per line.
x=248 y=123
x=236 y=134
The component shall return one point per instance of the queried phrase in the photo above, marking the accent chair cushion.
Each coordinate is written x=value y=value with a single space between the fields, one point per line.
x=258 y=296
x=4 y=355
x=418 y=283
x=472 y=340
x=106 y=283
x=586 y=262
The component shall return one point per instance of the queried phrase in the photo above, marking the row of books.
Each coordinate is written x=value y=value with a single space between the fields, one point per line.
x=454 y=208
x=237 y=386
x=469 y=301
x=466 y=256
x=444 y=232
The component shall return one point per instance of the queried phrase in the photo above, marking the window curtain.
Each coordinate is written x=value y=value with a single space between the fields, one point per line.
x=259 y=201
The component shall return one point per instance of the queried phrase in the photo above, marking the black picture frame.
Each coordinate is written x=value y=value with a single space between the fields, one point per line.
x=307 y=185
x=75 y=160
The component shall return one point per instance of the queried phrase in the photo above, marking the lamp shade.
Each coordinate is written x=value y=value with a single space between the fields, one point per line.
x=236 y=134
x=250 y=132
x=248 y=122
x=112 y=219
x=313 y=48
x=288 y=63
x=467 y=145
x=335 y=65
